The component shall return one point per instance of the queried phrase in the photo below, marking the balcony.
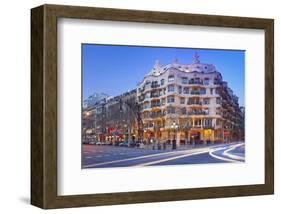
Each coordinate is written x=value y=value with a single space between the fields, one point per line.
x=206 y=126
x=154 y=105
x=157 y=115
x=198 y=113
x=155 y=85
x=146 y=98
x=155 y=95
x=196 y=92
x=190 y=82
x=145 y=108
x=194 y=103
x=201 y=127
x=141 y=90
x=217 y=82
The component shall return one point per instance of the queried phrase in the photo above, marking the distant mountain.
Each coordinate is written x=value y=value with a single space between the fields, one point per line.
x=93 y=99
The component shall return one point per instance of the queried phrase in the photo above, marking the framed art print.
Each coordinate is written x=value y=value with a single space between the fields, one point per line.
x=140 y=106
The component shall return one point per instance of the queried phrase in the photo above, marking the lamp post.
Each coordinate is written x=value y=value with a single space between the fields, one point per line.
x=174 y=127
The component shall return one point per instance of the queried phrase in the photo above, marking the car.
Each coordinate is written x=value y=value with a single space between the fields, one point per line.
x=134 y=144
x=125 y=144
x=99 y=143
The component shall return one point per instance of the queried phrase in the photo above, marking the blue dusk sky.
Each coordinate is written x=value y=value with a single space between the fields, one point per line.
x=116 y=69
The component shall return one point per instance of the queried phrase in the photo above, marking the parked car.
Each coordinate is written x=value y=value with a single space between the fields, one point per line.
x=125 y=144
x=108 y=143
x=92 y=142
x=134 y=144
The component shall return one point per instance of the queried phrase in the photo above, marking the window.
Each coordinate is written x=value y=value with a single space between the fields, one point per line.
x=180 y=89
x=171 y=78
x=205 y=111
x=155 y=104
x=217 y=81
x=182 y=100
x=203 y=91
x=171 y=88
x=211 y=91
x=218 y=122
x=206 y=81
x=195 y=81
x=208 y=122
x=218 y=100
x=206 y=101
x=147 y=95
x=154 y=84
x=218 y=111
x=145 y=106
x=217 y=90
x=197 y=122
x=170 y=99
x=171 y=110
x=184 y=80
x=185 y=90
x=183 y=110
x=163 y=101
x=162 y=81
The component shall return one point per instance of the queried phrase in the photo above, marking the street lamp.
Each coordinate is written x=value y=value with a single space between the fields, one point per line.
x=174 y=127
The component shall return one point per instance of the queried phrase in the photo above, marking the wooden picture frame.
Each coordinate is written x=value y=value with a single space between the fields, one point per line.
x=44 y=106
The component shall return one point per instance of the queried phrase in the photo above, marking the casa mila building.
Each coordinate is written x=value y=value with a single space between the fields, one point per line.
x=188 y=103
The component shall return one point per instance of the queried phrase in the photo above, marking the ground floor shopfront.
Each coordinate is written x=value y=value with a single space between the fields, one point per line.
x=193 y=135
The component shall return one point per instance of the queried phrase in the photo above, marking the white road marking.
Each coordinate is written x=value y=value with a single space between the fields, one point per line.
x=220 y=157
x=172 y=158
x=236 y=157
x=134 y=158
x=181 y=154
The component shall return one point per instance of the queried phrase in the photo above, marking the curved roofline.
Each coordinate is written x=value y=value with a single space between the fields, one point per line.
x=190 y=72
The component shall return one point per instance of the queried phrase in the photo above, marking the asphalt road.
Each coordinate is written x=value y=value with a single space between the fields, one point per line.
x=104 y=156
